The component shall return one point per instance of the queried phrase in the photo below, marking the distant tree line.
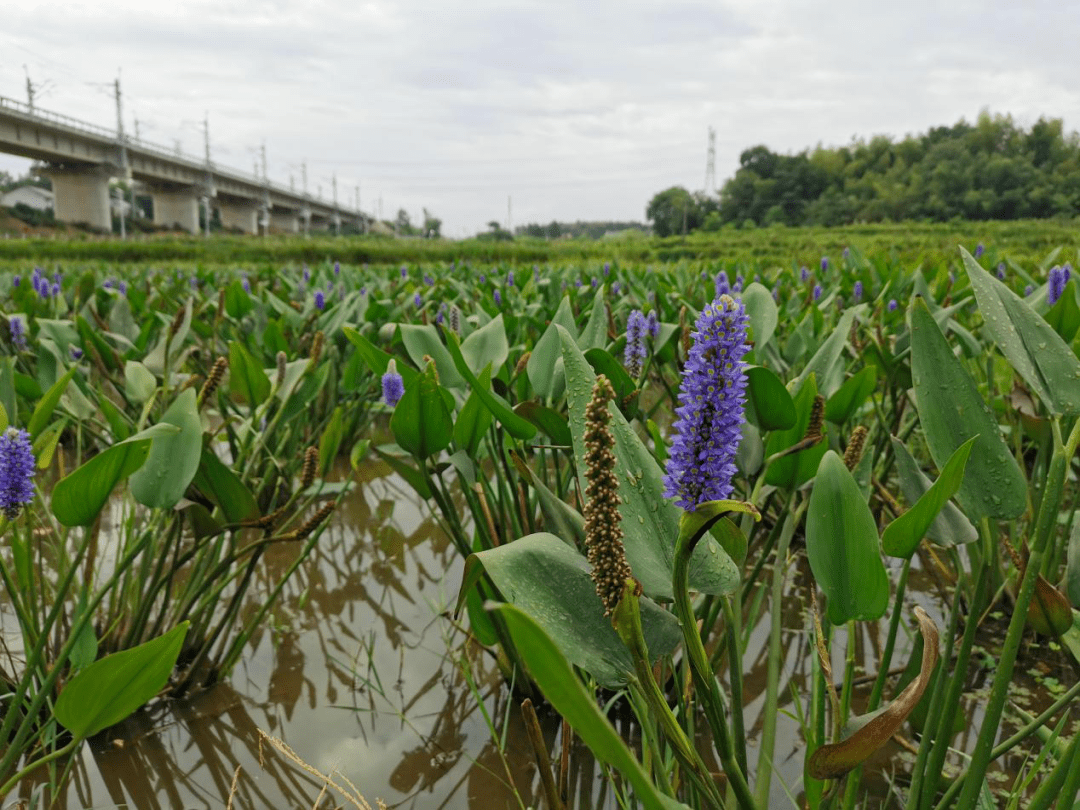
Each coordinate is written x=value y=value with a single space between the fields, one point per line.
x=572 y=230
x=992 y=169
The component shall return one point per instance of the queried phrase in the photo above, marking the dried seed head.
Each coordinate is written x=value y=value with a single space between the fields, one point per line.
x=317 y=347
x=177 y=322
x=269 y=521
x=312 y=524
x=817 y=418
x=213 y=379
x=311 y=464
x=281 y=361
x=522 y=363
x=854 y=450
x=603 y=528
x=455 y=319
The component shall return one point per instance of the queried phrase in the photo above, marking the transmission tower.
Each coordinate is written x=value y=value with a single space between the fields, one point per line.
x=710 y=164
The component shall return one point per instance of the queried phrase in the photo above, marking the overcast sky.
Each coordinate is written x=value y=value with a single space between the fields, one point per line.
x=578 y=110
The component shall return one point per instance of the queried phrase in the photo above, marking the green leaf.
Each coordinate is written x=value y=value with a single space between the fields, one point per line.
x=825 y=359
x=850 y=396
x=842 y=546
x=560 y=685
x=563 y=520
x=550 y=421
x=375 y=358
x=421 y=422
x=794 y=470
x=545 y=366
x=768 y=403
x=901 y=537
x=237 y=302
x=1035 y=350
x=515 y=425
x=951 y=411
x=246 y=378
x=594 y=336
x=487 y=345
x=47 y=404
x=78 y=497
x=173 y=460
x=950 y=527
x=330 y=441
x=424 y=340
x=474 y=419
x=112 y=688
x=549 y=581
x=7 y=389
x=224 y=487
x=761 y=312
x=711 y=514
x=139 y=382
x=604 y=363
x=649 y=520
x=1064 y=316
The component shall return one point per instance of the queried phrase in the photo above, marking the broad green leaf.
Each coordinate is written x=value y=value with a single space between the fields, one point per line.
x=423 y=340
x=237 y=302
x=549 y=581
x=515 y=425
x=833 y=761
x=473 y=419
x=155 y=360
x=561 y=686
x=842 y=405
x=604 y=363
x=712 y=513
x=1064 y=316
x=139 y=382
x=761 y=312
x=768 y=403
x=112 y=688
x=794 y=470
x=224 y=487
x=594 y=335
x=173 y=460
x=45 y=407
x=550 y=421
x=842 y=546
x=828 y=354
x=545 y=366
x=77 y=498
x=951 y=411
x=950 y=527
x=487 y=345
x=330 y=441
x=421 y=422
x=1035 y=350
x=649 y=520
x=901 y=537
x=560 y=518
x=1072 y=566
x=246 y=378
x=45 y=443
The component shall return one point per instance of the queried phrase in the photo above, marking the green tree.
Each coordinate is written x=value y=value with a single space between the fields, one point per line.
x=673 y=211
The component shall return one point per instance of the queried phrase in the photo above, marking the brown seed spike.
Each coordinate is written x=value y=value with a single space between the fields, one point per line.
x=213 y=380
x=603 y=529
x=311 y=463
x=317 y=347
x=817 y=418
x=854 y=451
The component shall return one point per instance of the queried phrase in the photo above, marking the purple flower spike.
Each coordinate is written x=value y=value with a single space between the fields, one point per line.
x=55 y=291
x=652 y=324
x=607 y=268
x=393 y=386
x=1055 y=286
x=1001 y=271
x=817 y=291
x=497 y=296
x=320 y=300
x=634 y=354
x=418 y=300
x=246 y=285
x=76 y=353
x=18 y=332
x=307 y=273
x=710 y=414
x=16 y=281
x=16 y=471
x=404 y=271
x=979 y=250
x=337 y=268
x=857 y=291
x=804 y=274
x=893 y=305
x=510 y=279
x=722 y=285
x=824 y=263
x=122 y=288
x=1028 y=290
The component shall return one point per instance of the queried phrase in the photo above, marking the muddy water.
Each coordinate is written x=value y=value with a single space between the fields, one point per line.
x=364 y=674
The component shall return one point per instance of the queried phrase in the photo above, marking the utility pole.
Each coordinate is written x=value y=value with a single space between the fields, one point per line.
x=29 y=90
x=307 y=201
x=266 y=192
x=509 y=217
x=337 y=217
x=710 y=164
x=359 y=213
x=123 y=152
x=209 y=172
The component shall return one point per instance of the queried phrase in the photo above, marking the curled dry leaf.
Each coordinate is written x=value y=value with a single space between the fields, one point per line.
x=832 y=761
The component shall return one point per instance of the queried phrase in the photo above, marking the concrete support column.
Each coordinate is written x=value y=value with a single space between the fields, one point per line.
x=176 y=206
x=242 y=214
x=285 y=221
x=319 y=224
x=81 y=195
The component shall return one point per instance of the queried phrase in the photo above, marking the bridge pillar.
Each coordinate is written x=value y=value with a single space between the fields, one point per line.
x=176 y=206
x=285 y=221
x=81 y=194
x=242 y=214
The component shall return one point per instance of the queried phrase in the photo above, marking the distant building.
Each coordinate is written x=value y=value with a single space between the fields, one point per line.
x=40 y=199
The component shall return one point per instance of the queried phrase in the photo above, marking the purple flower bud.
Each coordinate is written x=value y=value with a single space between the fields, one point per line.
x=510 y=279
x=497 y=296
x=16 y=281
x=634 y=353
x=337 y=268
x=721 y=285
x=16 y=471
x=418 y=300
x=393 y=386
x=246 y=285
x=483 y=279
x=1028 y=290
x=1055 y=285
x=594 y=281
x=307 y=273
x=429 y=281
x=122 y=288
x=107 y=284
x=709 y=419
x=320 y=300
x=824 y=263
x=846 y=254
x=55 y=291
x=404 y=271
x=893 y=305
x=738 y=285
x=1001 y=271
x=76 y=353
x=804 y=274
x=363 y=290
x=615 y=287
x=652 y=324
x=979 y=250
x=857 y=291
x=578 y=283
x=607 y=268
x=817 y=291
